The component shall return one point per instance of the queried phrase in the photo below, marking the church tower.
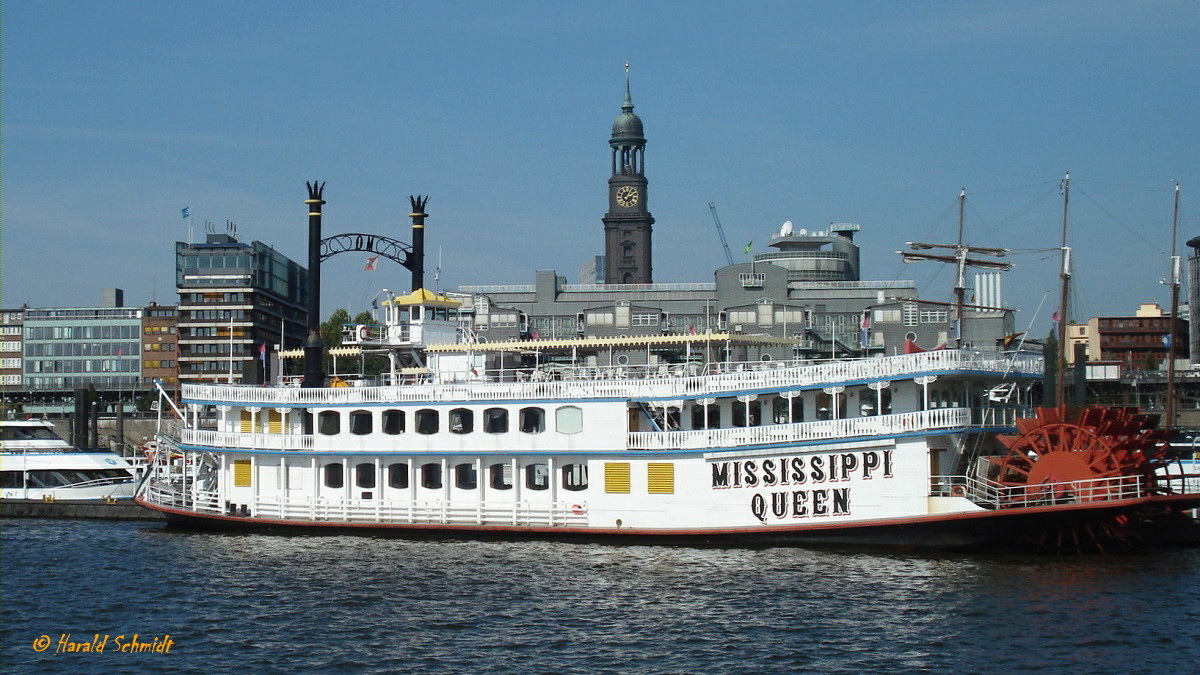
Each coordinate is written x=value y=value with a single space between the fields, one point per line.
x=627 y=223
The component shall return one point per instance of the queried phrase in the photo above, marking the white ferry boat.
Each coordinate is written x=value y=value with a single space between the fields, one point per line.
x=565 y=438
x=36 y=465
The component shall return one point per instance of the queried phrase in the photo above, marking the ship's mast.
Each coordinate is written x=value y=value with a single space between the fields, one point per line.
x=1065 y=275
x=1174 y=281
x=961 y=263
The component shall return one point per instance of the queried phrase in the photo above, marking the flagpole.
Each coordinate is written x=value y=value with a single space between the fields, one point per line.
x=231 y=346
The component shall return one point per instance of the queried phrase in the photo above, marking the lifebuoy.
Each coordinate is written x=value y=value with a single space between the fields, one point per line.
x=364 y=333
x=578 y=509
x=958 y=491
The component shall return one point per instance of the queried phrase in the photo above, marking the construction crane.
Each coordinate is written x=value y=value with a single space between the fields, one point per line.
x=721 y=231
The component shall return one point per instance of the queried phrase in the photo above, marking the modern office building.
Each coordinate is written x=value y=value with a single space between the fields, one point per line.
x=67 y=348
x=236 y=301
x=12 y=350
x=160 y=346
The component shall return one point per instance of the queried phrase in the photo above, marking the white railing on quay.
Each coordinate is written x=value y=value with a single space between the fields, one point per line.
x=616 y=382
x=856 y=427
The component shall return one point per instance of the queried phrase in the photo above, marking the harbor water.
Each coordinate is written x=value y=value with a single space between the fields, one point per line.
x=204 y=602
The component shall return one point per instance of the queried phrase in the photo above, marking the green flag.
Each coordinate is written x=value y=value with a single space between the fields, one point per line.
x=749 y=246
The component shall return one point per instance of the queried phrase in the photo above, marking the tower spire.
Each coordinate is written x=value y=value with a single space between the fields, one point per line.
x=628 y=105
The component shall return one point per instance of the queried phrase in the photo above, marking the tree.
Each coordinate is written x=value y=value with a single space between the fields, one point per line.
x=331 y=334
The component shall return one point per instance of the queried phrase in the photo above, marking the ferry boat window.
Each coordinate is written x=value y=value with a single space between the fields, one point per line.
x=364 y=475
x=360 y=422
x=699 y=416
x=779 y=410
x=329 y=423
x=465 y=477
x=393 y=422
x=11 y=479
x=500 y=476
x=431 y=476
x=568 y=419
x=397 y=475
x=575 y=477
x=333 y=476
x=537 y=477
x=427 y=422
x=797 y=409
x=533 y=420
x=495 y=421
x=739 y=414
x=462 y=421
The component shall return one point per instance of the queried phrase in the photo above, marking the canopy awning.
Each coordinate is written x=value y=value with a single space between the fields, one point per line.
x=424 y=297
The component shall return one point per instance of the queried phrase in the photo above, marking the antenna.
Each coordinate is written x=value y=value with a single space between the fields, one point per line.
x=786 y=230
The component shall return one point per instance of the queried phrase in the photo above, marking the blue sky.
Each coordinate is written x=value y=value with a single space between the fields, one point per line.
x=118 y=114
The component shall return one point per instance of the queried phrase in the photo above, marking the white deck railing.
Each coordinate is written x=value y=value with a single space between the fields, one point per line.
x=649 y=383
x=858 y=427
x=994 y=495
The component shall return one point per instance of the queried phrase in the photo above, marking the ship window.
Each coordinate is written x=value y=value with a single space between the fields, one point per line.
x=462 y=421
x=533 y=420
x=431 y=476
x=11 y=479
x=739 y=414
x=397 y=475
x=575 y=477
x=333 y=475
x=495 y=421
x=797 y=409
x=465 y=476
x=364 y=475
x=360 y=422
x=500 y=476
x=779 y=410
x=393 y=422
x=568 y=419
x=427 y=422
x=329 y=423
x=713 y=414
x=537 y=477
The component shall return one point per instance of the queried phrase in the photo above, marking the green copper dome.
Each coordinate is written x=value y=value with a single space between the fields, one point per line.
x=627 y=126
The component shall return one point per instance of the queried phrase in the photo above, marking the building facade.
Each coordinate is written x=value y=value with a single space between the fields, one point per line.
x=236 y=301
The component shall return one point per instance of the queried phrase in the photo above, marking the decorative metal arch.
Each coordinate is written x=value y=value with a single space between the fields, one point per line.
x=392 y=249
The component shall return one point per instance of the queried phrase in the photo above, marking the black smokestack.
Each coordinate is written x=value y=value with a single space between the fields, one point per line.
x=314 y=372
x=418 y=216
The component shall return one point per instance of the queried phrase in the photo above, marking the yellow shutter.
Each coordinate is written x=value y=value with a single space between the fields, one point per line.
x=275 y=422
x=616 y=477
x=241 y=473
x=660 y=478
x=247 y=427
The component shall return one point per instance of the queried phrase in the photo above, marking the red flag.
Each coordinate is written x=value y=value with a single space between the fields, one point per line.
x=262 y=351
x=371 y=263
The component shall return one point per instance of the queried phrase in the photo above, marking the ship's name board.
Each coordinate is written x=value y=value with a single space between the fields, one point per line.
x=803 y=474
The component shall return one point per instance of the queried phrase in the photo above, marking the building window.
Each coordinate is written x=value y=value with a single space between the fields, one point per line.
x=500 y=476
x=575 y=477
x=397 y=475
x=393 y=422
x=568 y=419
x=495 y=421
x=333 y=476
x=427 y=421
x=533 y=420
x=431 y=476
x=360 y=422
x=329 y=423
x=537 y=477
x=364 y=475
x=465 y=476
x=462 y=421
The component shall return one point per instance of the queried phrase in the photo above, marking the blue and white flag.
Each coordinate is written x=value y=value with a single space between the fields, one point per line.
x=185 y=212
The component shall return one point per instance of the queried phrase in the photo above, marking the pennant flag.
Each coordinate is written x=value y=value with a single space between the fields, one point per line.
x=186 y=211
x=371 y=263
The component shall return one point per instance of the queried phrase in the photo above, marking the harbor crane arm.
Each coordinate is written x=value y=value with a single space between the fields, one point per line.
x=721 y=231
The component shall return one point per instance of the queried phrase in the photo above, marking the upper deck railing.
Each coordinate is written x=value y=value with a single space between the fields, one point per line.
x=657 y=382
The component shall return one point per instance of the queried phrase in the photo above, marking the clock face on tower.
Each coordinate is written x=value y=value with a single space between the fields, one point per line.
x=627 y=196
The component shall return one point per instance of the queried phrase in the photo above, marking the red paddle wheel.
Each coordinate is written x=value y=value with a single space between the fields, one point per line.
x=1071 y=455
